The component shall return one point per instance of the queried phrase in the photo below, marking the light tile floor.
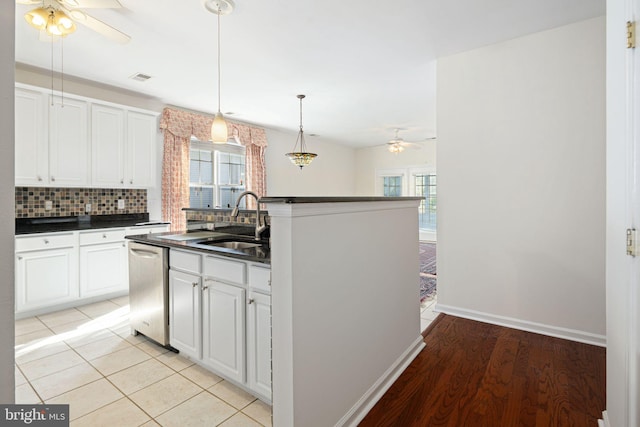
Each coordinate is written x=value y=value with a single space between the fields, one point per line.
x=427 y=315
x=86 y=357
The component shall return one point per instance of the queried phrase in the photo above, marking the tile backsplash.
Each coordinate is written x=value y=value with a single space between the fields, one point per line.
x=220 y=216
x=31 y=201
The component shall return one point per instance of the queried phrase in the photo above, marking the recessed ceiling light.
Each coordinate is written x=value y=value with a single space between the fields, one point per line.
x=141 y=77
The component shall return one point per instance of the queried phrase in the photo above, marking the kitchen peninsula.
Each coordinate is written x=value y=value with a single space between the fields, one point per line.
x=343 y=302
x=344 y=291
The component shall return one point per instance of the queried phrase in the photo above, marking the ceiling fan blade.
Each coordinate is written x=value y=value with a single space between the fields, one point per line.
x=92 y=4
x=99 y=26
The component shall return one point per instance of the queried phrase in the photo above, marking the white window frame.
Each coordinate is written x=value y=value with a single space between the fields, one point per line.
x=230 y=147
x=408 y=187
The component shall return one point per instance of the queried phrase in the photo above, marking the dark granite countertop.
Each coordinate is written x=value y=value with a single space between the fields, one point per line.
x=261 y=254
x=78 y=223
x=334 y=199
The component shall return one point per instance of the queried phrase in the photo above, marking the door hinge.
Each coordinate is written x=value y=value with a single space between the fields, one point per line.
x=631 y=241
x=631 y=34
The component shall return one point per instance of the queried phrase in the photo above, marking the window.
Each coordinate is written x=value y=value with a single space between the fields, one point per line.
x=216 y=175
x=425 y=186
x=392 y=186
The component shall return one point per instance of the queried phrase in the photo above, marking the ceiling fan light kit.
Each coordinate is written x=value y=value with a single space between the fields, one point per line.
x=54 y=22
x=219 y=130
x=301 y=158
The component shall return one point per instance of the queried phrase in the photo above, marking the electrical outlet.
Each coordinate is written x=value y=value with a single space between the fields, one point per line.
x=120 y=203
x=48 y=205
x=87 y=207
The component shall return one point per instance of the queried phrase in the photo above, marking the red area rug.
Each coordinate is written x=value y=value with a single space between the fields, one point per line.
x=427 y=271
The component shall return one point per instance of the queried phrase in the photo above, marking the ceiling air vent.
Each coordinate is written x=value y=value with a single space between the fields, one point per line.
x=140 y=77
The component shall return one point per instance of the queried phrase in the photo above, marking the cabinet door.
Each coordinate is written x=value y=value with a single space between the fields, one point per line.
x=184 y=313
x=103 y=269
x=107 y=145
x=68 y=143
x=31 y=144
x=259 y=344
x=45 y=278
x=224 y=329
x=142 y=135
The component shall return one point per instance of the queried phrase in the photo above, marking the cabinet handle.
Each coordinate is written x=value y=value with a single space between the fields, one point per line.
x=251 y=300
x=19 y=258
x=195 y=284
x=204 y=288
x=46 y=241
x=130 y=181
x=104 y=236
x=124 y=245
x=53 y=178
x=39 y=178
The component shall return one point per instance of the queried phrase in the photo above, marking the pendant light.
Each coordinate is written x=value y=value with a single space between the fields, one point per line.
x=219 y=132
x=301 y=158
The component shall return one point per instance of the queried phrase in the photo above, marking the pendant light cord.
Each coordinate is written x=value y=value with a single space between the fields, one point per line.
x=219 y=13
x=300 y=114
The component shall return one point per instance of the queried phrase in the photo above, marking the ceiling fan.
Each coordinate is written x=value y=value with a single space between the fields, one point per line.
x=397 y=145
x=58 y=17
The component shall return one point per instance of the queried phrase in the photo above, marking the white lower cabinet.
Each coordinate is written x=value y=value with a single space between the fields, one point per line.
x=65 y=269
x=46 y=277
x=223 y=328
x=259 y=343
x=103 y=263
x=216 y=318
x=103 y=269
x=184 y=313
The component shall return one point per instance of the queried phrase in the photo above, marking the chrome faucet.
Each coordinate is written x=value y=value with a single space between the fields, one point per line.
x=260 y=228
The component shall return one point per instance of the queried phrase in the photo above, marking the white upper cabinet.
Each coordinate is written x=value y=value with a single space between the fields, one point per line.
x=123 y=144
x=32 y=157
x=140 y=163
x=80 y=142
x=107 y=146
x=68 y=143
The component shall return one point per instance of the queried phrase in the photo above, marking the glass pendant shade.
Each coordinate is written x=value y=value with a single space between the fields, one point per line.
x=37 y=18
x=301 y=159
x=219 y=132
x=62 y=25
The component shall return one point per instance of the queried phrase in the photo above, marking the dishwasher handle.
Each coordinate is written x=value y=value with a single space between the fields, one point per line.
x=143 y=253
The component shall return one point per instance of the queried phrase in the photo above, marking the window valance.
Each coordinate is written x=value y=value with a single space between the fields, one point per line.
x=184 y=124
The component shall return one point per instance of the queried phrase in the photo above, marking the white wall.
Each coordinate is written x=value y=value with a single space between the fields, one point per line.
x=331 y=173
x=7 y=200
x=370 y=159
x=521 y=182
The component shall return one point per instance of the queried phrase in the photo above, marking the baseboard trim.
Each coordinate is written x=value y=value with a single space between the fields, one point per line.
x=524 y=325
x=604 y=422
x=380 y=387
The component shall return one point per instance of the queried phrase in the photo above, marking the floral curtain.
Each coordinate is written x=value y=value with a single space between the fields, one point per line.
x=178 y=127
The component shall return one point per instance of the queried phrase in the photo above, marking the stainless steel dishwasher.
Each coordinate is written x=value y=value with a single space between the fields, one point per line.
x=149 y=291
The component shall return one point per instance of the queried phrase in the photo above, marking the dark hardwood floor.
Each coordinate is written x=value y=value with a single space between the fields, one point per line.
x=473 y=374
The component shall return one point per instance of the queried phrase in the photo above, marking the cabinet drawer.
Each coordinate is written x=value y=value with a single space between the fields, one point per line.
x=45 y=241
x=147 y=229
x=186 y=261
x=224 y=269
x=102 y=236
x=260 y=278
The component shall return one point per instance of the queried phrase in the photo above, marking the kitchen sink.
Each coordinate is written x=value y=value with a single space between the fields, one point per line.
x=193 y=235
x=232 y=244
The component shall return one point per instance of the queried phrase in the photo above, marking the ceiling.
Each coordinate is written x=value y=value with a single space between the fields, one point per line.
x=366 y=67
